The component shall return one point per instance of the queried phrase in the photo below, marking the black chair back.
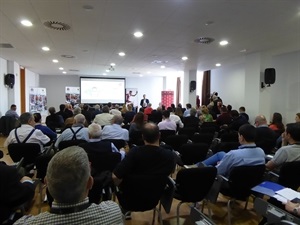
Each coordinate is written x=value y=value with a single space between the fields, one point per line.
x=193 y=153
x=242 y=179
x=64 y=144
x=7 y=124
x=189 y=131
x=104 y=161
x=28 y=151
x=289 y=175
x=176 y=141
x=202 y=138
x=141 y=192
x=119 y=143
x=206 y=130
x=41 y=166
x=225 y=146
x=135 y=138
x=193 y=184
x=166 y=133
x=230 y=137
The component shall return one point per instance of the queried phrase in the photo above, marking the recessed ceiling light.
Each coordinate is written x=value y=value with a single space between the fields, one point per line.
x=104 y=74
x=64 y=72
x=243 y=50
x=162 y=67
x=107 y=71
x=184 y=58
x=55 y=60
x=112 y=64
x=45 y=48
x=138 y=34
x=218 y=64
x=26 y=23
x=61 y=68
x=122 y=54
x=223 y=42
x=148 y=72
x=141 y=75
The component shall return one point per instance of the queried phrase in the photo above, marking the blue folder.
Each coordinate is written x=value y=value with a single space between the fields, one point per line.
x=267 y=188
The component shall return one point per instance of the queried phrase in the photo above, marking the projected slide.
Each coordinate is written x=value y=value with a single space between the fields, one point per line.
x=102 y=90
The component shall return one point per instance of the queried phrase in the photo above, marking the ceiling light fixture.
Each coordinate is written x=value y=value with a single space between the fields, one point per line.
x=55 y=60
x=64 y=72
x=113 y=64
x=148 y=72
x=184 y=58
x=122 y=54
x=26 y=23
x=107 y=71
x=218 y=64
x=223 y=42
x=138 y=34
x=45 y=48
x=104 y=74
x=61 y=68
x=162 y=67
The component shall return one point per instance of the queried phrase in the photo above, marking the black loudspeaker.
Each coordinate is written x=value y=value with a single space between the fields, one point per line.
x=9 y=80
x=192 y=86
x=270 y=76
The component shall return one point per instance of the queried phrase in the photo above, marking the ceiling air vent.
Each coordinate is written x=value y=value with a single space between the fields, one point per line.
x=68 y=56
x=204 y=40
x=55 y=25
x=73 y=70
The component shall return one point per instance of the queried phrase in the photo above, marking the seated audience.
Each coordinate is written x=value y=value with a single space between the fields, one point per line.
x=54 y=120
x=87 y=113
x=191 y=120
x=187 y=111
x=166 y=123
x=70 y=121
x=175 y=118
x=297 y=118
x=96 y=111
x=115 y=110
x=156 y=115
x=115 y=130
x=206 y=116
x=224 y=118
x=242 y=111
x=46 y=130
x=137 y=124
x=96 y=145
x=178 y=112
x=148 y=159
x=124 y=109
x=69 y=180
x=27 y=133
x=248 y=154
x=237 y=121
x=12 y=112
x=15 y=189
x=265 y=137
x=148 y=109
x=276 y=124
x=290 y=151
x=128 y=116
x=76 y=132
x=104 y=118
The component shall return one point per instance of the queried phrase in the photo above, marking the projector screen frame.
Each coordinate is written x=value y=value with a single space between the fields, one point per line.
x=103 y=78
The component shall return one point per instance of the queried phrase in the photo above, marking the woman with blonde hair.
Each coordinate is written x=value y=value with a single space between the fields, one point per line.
x=205 y=117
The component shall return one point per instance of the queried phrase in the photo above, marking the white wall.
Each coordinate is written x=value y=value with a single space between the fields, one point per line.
x=32 y=80
x=229 y=82
x=3 y=89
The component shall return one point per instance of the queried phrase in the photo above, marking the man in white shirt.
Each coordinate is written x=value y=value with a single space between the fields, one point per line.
x=175 y=118
x=104 y=118
x=27 y=131
x=166 y=123
x=115 y=110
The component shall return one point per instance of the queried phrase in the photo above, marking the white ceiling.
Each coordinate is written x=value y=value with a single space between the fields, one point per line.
x=169 y=26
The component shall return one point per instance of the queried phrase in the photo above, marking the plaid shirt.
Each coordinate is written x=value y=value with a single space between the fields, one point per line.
x=107 y=213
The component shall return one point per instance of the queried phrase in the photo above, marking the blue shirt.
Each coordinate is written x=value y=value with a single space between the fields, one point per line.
x=83 y=134
x=246 y=155
x=47 y=131
x=114 y=131
x=12 y=113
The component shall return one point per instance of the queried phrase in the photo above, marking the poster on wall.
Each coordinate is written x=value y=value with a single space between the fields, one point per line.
x=37 y=100
x=131 y=96
x=167 y=98
x=73 y=95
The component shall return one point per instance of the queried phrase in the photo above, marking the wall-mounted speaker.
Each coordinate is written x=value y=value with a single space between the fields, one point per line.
x=270 y=76
x=9 y=80
x=192 y=86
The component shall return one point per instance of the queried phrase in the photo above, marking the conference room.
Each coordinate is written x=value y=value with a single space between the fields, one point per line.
x=99 y=51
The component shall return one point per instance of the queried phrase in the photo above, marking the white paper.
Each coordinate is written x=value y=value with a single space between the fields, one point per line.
x=288 y=193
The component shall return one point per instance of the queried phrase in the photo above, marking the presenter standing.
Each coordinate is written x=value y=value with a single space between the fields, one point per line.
x=144 y=102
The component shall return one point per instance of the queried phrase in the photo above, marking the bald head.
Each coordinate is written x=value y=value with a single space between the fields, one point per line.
x=150 y=133
x=260 y=120
x=79 y=118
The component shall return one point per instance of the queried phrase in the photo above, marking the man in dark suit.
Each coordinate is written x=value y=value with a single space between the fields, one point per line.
x=15 y=190
x=144 y=102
